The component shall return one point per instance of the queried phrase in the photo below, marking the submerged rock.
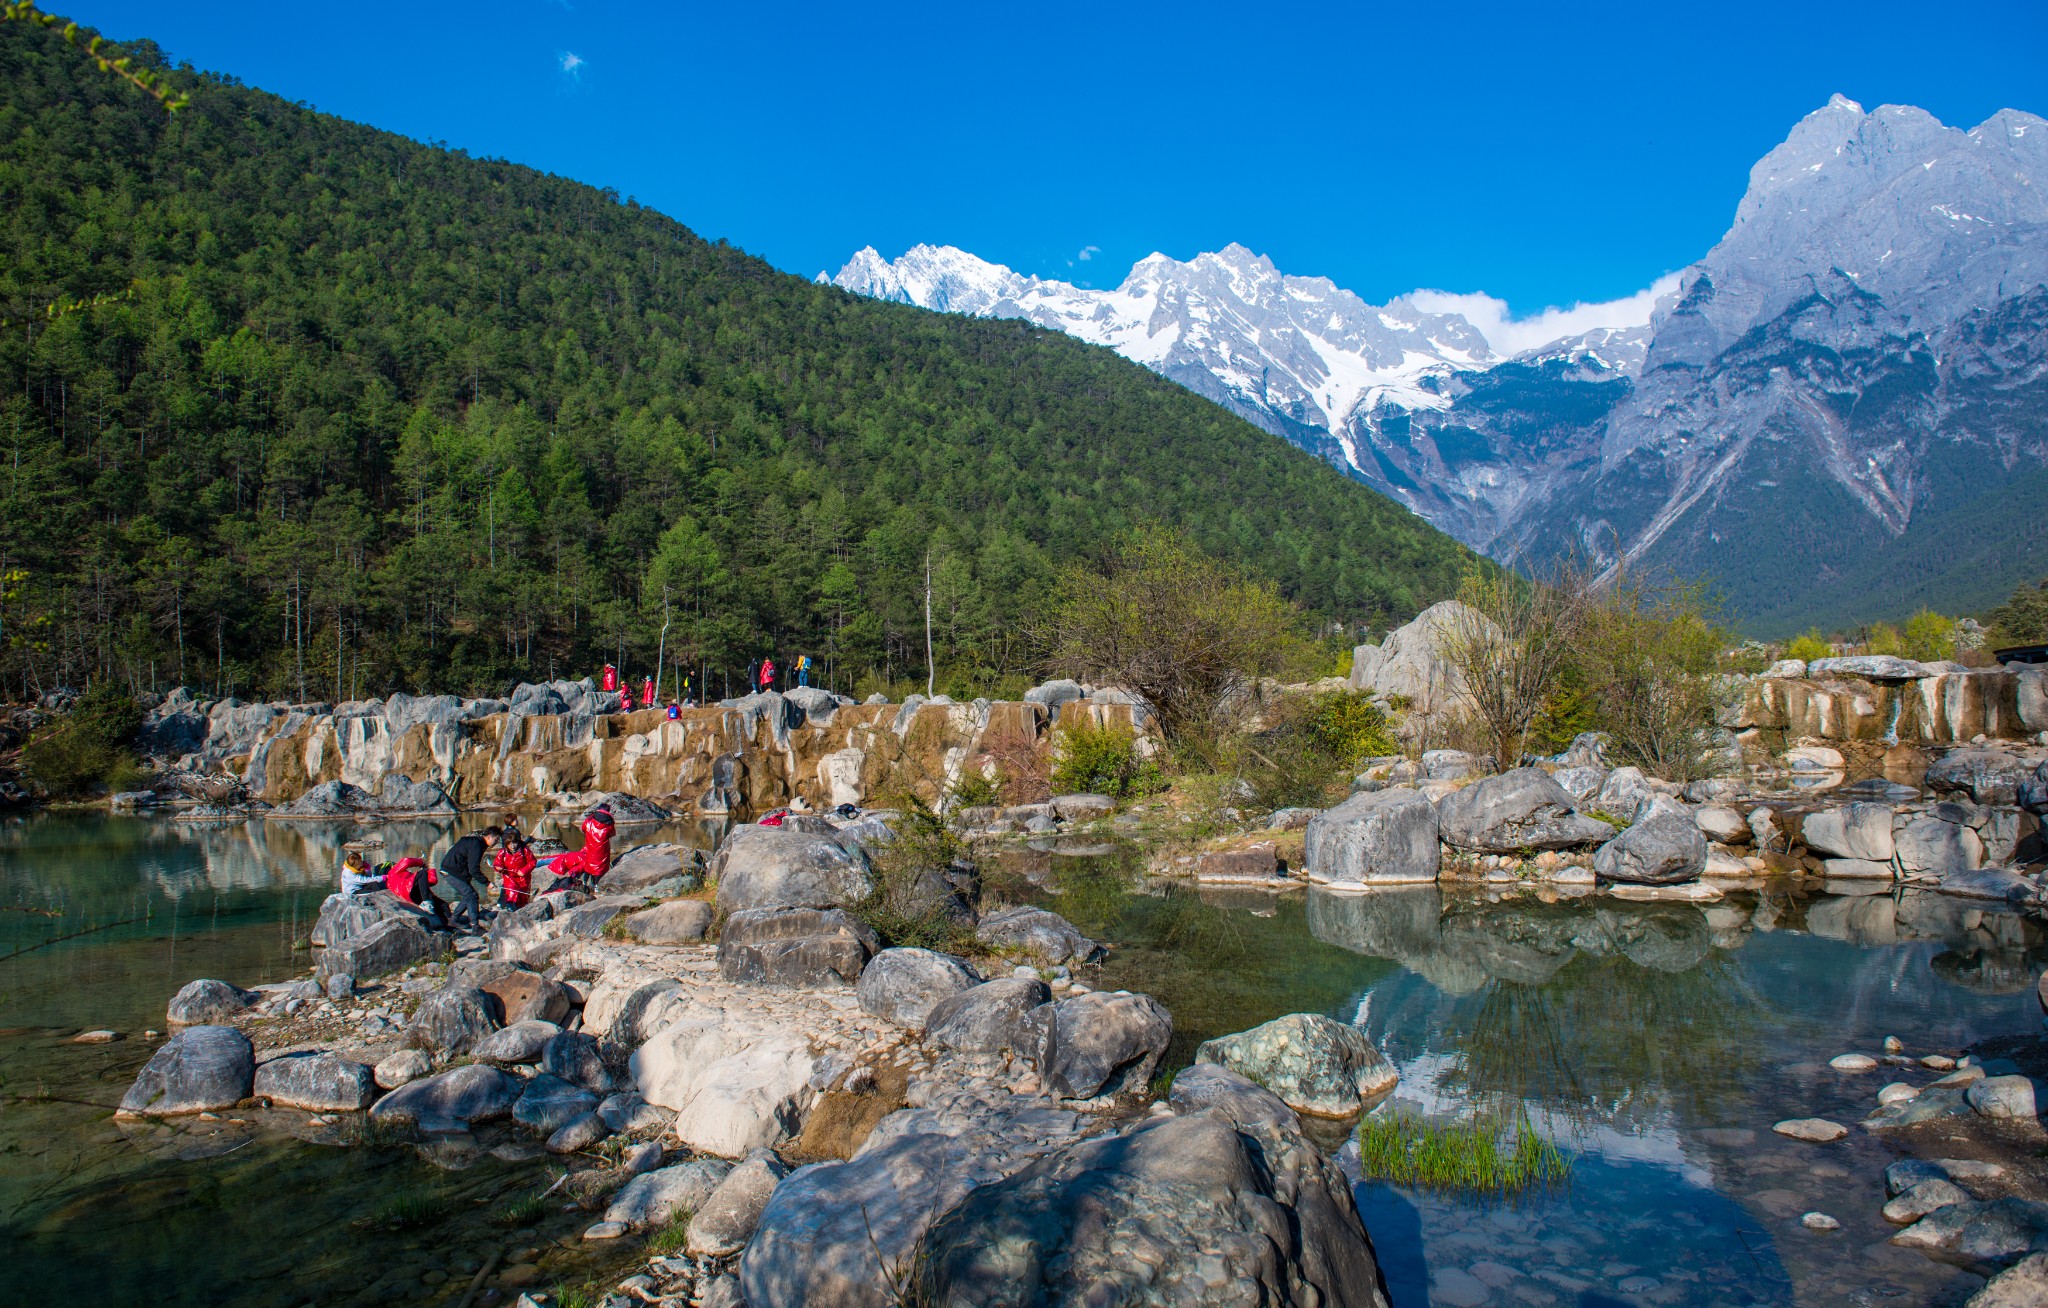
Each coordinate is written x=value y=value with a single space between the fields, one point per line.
x=317 y=1082
x=1314 y=1064
x=471 y=1093
x=200 y=1069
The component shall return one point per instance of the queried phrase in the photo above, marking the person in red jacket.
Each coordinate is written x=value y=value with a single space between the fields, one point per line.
x=647 y=692
x=611 y=677
x=595 y=858
x=625 y=699
x=514 y=863
x=408 y=879
x=767 y=673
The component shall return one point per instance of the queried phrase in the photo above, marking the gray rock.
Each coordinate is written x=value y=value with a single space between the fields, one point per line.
x=651 y=1199
x=402 y=1068
x=769 y=867
x=1212 y=1085
x=573 y=1056
x=1449 y=765
x=1384 y=837
x=725 y=1221
x=1724 y=824
x=1814 y=1130
x=450 y=1023
x=1909 y=1172
x=340 y=986
x=1037 y=934
x=1520 y=809
x=904 y=985
x=471 y=1093
x=578 y=1133
x=627 y=1113
x=342 y=916
x=200 y=1069
x=804 y=947
x=642 y=1158
x=548 y=1103
x=329 y=799
x=317 y=1082
x=1052 y=694
x=1922 y=1198
x=1663 y=847
x=1858 y=831
x=1082 y=807
x=1932 y=1104
x=1928 y=844
x=1581 y=783
x=520 y=1042
x=1624 y=792
x=647 y=865
x=1985 y=775
x=1099 y=1043
x=678 y=922
x=723 y=1291
x=385 y=947
x=1995 y=1233
x=2005 y=1097
x=988 y=1018
x=527 y=997
x=1868 y=667
x=206 y=1002
x=1314 y=1064
x=1290 y=819
x=2023 y=1285
x=1057 y=1231
x=588 y=921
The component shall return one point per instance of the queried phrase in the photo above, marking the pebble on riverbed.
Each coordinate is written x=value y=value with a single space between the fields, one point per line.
x=1852 y=1062
x=1818 y=1130
x=1819 y=1222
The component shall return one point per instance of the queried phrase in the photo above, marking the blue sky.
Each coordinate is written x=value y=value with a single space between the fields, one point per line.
x=1542 y=153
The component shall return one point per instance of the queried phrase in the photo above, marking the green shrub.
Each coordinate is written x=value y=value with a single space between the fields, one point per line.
x=88 y=748
x=906 y=907
x=1101 y=760
x=973 y=790
x=1348 y=726
x=1809 y=647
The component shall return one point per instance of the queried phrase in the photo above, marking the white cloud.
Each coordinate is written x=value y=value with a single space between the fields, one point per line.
x=1508 y=334
x=572 y=64
x=1088 y=252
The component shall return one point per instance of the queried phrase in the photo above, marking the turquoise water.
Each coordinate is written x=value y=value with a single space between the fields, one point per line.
x=1656 y=1042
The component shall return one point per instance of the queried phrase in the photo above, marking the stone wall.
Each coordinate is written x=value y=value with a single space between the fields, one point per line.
x=1942 y=708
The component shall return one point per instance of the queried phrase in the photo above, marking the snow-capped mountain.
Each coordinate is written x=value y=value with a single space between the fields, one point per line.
x=1858 y=369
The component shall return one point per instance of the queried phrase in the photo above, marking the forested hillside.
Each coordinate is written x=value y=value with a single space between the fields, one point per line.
x=377 y=415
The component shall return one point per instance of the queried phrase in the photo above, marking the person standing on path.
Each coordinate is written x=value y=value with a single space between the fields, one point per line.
x=462 y=872
x=647 y=692
x=803 y=669
x=767 y=673
x=611 y=678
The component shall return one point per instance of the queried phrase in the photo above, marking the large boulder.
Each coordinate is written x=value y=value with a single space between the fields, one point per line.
x=449 y=1023
x=1929 y=845
x=526 y=996
x=904 y=985
x=343 y=916
x=725 y=1220
x=1379 y=837
x=1315 y=1064
x=588 y=921
x=574 y=1056
x=316 y=1082
x=329 y=799
x=1623 y=793
x=1232 y=1214
x=769 y=867
x=1858 y=830
x=988 y=1018
x=1985 y=775
x=206 y=1002
x=1036 y=934
x=735 y=1088
x=651 y=1199
x=803 y=947
x=1099 y=1043
x=200 y=1069
x=548 y=1103
x=677 y=922
x=470 y=1093
x=398 y=796
x=1663 y=847
x=521 y=1042
x=1517 y=810
x=647 y=865
x=1414 y=660
x=385 y=947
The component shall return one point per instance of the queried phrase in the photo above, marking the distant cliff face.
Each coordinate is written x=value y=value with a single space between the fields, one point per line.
x=1840 y=412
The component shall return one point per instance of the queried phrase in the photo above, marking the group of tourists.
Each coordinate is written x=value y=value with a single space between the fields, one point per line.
x=761 y=675
x=452 y=894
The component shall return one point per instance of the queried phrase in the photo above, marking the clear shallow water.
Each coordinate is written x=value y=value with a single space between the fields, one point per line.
x=201 y=1214
x=1657 y=1042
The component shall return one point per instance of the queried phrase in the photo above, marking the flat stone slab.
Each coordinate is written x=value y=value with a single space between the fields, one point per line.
x=1817 y=1130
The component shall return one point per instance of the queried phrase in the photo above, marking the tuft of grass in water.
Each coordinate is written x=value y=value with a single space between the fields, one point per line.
x=1485 y=1155
x=577 y=1296
x=672 y=1237
x=407 y=1208
x=523 y=1211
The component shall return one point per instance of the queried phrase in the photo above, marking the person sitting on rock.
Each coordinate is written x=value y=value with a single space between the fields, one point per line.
x=462 y=872
x=515 y=863
x=584 y=866
x=411 y=880
x=675 y=710
x=356 y=876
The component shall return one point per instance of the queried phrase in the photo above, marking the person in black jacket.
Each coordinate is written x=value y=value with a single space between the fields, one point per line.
x=463 y=873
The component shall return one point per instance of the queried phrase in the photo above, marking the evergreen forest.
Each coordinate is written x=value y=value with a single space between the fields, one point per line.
x=291 y=407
